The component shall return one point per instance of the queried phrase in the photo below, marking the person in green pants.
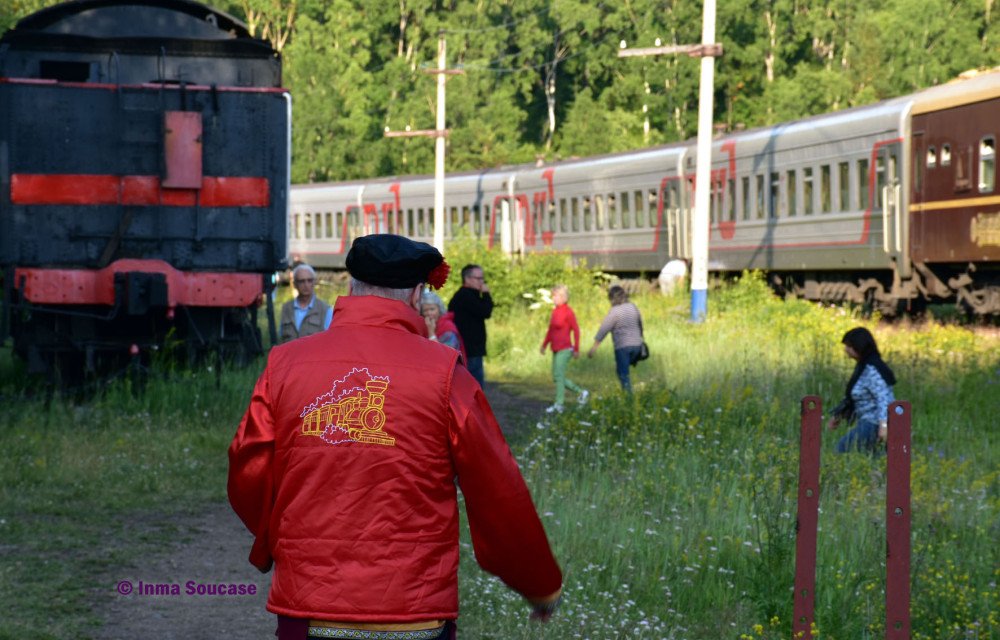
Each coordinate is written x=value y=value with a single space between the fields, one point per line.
x=564 y=337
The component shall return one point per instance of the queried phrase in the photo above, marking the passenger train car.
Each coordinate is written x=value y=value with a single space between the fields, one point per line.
x=893 y=204
x=144 y=178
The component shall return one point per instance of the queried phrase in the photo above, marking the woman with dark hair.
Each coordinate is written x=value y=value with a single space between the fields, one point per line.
x=625 y=324
x=869 y=392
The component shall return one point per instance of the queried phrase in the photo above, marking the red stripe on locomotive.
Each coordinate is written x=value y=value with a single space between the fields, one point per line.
x=56 y=189
x=77 y=286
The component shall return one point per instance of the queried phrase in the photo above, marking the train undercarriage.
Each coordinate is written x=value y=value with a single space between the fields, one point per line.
x=72 y=345
x=971 y=288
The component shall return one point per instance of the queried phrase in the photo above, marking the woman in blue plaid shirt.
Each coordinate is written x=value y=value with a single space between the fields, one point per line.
x=869 y=393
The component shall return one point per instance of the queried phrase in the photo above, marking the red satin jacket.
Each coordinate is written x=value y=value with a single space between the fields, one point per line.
x=344 y=469
x=564 y=332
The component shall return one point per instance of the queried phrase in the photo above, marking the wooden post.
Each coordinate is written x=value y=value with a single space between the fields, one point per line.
x=804 y=607
x=897 y=523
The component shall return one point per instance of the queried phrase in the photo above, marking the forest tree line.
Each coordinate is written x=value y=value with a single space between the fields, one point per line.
x=542 y=78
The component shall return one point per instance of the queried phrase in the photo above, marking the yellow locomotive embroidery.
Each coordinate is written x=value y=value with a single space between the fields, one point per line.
x=353 y=411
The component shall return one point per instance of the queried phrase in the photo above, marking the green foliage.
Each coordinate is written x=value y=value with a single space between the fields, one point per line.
x=543 y=78
x=510 y=279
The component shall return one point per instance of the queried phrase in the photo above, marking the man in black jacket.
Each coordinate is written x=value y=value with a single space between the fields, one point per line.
x=472 y=305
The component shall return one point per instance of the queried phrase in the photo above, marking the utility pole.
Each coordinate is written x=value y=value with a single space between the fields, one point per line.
x=440 y=133
x=707 y=51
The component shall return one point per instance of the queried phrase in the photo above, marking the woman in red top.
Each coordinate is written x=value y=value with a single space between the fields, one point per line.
x=564 y=336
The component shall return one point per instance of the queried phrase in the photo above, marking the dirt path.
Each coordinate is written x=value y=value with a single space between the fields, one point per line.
x=211 y=548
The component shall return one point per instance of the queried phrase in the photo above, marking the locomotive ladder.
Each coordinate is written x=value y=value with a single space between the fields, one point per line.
x=897 y=519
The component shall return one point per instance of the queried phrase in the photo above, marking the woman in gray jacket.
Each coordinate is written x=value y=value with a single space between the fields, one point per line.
x=625 y=324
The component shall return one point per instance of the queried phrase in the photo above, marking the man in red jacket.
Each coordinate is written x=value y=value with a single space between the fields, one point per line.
x=344 y=468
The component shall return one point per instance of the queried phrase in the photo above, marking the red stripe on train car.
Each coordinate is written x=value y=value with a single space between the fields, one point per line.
x=80 y=286
x=216 y=191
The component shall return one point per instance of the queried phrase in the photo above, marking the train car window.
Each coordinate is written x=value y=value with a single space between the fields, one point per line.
x=487 y=228
x=863 y=182
x=793 y=194
x=945 y=155
x=467 y=217
x=745 y=200
x=612 y=215
x=552 y=216
x=713 y=203
x=963 y=169
x=354 y=222
x=537 y=217
x=931 y=157
x=731 y=198
x=772 y=201
x=588 y=214
x=563 y=221
x=987 y=164
x=626 y=211
x=844 y=188
x=339 y=227
x=639 y=201
x=294 y=231
x=880 y=180
x=328 y=225
x=760 y=196
x=602 y=212
x=421 y=222
x=825 y=188
x=477 y=220
x=574 y=213
x=654 y=207
x=807 y=191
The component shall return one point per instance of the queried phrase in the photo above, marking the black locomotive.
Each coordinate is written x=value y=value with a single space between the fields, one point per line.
x=144 y=181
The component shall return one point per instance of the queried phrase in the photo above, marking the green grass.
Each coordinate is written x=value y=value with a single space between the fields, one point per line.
x=671 y=511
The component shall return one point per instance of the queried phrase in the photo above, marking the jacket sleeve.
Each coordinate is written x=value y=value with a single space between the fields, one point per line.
x=881 y=392
x=251 y=475
x=606 y=325
x=507 y=534
x=548 y=334
x=483 y=304
x=574 y=330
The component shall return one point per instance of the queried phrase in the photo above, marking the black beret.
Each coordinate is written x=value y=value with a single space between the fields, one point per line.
x=388 y=260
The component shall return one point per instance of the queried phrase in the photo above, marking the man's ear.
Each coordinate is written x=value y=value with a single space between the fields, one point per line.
x=415 y=297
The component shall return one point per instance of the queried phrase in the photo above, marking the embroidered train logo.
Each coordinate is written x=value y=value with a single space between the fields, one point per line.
x=351 y=412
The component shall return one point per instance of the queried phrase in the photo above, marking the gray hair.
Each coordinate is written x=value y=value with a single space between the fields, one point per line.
x=360 y=288
x=563 y=288
x=429 y=297
x=305 y=267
